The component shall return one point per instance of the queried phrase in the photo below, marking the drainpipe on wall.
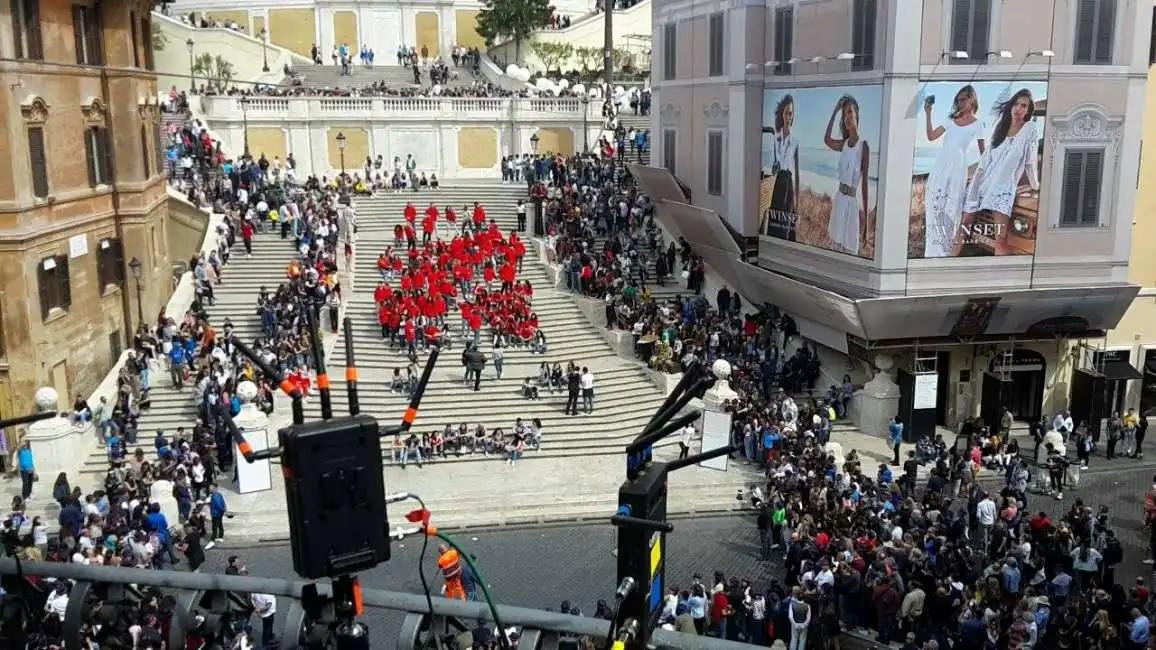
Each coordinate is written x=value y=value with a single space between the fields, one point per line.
x=118 y=226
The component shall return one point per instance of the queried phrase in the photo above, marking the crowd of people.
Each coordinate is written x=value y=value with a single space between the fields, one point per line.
x=158 y=504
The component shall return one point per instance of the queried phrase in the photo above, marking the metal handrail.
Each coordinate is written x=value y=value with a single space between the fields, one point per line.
x=540 y=629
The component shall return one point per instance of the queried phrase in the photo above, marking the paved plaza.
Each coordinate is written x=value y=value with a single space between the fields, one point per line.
x=541 y=566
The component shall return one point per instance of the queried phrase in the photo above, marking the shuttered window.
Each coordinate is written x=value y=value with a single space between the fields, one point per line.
x=133 y=26
x=970 y=28
x=146 y=159
x=1083 y=176
x=717 y=45
x=1095 y=28
x=146 y=34
x=668 y=150
x=110 y=263
x=669 y=52
x=784 y=39
x=88 y=31
x=863 y=34
x=38 y=162
x=26 y=29
x=97 y=154
x=714 y=163
x=55 y=289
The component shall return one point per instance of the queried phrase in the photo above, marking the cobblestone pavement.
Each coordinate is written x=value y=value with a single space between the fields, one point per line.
x=540 y=567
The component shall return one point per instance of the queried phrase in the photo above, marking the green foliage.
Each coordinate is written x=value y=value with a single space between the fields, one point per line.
x=218 y=72
x=160 y=40
x=552 y=53
x=588 y=58
x=515 y=19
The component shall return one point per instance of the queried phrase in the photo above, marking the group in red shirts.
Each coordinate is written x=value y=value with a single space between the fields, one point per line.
x=474 y=270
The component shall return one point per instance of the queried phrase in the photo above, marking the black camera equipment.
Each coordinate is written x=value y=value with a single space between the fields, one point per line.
x=335 y=491
x=641 y=516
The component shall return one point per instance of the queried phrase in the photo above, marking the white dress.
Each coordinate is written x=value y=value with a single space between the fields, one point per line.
x=946 y=185
x=994 y=185
x=843 y=229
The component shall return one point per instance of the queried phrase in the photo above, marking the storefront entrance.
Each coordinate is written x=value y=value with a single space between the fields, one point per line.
x=1101 y=390
x=1015 y=380
x=1148 y=385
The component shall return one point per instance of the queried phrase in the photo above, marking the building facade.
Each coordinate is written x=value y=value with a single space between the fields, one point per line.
x=460 y=137
x=943 y=185
x=381 y=25
x=82 y=193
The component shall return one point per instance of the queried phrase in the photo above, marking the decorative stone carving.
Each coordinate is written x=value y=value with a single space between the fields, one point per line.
x=148 y=112
x=1085 y=124
x=94 y=111
x=716 y=113
x=669 y=114
x=35 y=110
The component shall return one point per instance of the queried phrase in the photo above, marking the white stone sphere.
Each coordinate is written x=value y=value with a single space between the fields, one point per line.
x=721 y=369
x=510 y=69
x=246 y=392
x=46 y=398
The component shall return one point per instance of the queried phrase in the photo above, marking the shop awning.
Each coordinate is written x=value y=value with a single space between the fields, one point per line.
x=1120 y=371
x=830 y=318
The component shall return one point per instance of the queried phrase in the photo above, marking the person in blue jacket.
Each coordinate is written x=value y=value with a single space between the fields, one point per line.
x=27 y=468
x=156 y=522
x=177 y=359
x=217 y=511
x=895 y=432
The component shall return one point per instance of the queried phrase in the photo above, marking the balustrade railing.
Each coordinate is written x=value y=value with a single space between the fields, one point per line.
x=305 y=108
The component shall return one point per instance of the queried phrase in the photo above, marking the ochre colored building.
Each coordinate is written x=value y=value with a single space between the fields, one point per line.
x=82 y=193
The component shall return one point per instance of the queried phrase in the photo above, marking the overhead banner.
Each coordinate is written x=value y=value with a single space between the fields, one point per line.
x=820 y=166
x=975 y=180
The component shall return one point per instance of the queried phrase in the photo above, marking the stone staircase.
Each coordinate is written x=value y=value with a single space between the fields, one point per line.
x=625 y=397
x=329 y=76
x=236 y=298
x=629 y=120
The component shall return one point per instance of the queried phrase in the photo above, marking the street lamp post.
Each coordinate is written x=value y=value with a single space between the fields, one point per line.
x=539 y=216
x=192 y=81
x=585 y=127
x=134 y=267
x=264 y=50
x=341 y=153
x=245 y=122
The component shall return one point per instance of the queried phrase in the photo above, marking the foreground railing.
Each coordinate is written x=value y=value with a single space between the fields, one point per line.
x=199 y=596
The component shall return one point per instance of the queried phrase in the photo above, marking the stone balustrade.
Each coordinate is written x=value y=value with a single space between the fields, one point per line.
x=548 y=109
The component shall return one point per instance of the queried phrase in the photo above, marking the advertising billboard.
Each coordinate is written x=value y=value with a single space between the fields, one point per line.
x=820 y=166
x=975 y=188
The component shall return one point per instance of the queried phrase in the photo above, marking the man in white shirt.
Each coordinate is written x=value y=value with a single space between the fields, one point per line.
x=1064 y=424
x=985 y=512
x=264 y=606
x=586 y=383
x=57 y=603
x=687 y=436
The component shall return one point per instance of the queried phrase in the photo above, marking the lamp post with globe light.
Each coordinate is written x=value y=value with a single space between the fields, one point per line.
x=192 y=81
x=341 y=152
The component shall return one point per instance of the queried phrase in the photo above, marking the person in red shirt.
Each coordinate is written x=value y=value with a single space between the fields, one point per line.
x=247 y=237
x=720 y=609
x=507 y=274
x=410 y=213
x=383 y=317
x=479 y=215
x=429 y=223
x=382 y=293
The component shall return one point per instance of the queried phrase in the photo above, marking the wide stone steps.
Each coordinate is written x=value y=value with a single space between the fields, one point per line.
x=625 y=399
x=236 y=300
x=329 y=76
x=629 y=120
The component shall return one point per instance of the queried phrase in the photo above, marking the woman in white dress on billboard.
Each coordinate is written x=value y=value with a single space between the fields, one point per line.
x=1013 y=154
x=946 y=184
x=847 y=214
